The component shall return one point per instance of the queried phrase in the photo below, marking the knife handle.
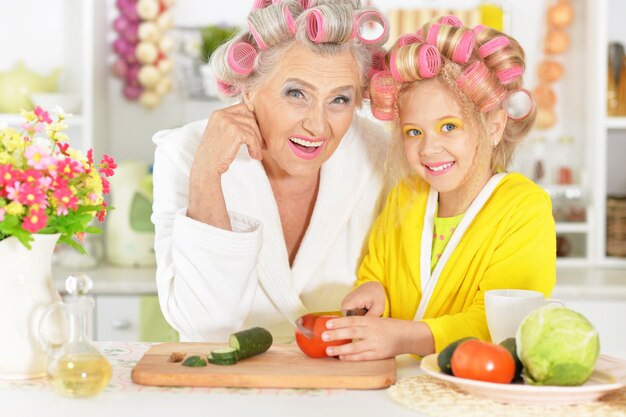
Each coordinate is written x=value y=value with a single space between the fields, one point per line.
x=356 y=312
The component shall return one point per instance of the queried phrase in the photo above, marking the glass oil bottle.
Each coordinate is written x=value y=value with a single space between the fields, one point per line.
x=77 y=368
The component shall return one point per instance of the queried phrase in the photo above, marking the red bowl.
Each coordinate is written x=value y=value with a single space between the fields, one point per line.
x=315 y=347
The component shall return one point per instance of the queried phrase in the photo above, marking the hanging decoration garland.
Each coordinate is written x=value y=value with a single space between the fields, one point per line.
x=142 y=49
x=559 y=16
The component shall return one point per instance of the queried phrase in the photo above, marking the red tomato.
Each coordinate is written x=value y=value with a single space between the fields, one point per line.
x=316 y=347
x=483 y=361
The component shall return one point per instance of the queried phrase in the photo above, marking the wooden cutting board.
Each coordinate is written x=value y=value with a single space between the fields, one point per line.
x=283 y=366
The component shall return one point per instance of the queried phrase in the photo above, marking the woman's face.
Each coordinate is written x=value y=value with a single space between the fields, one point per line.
x=441 y=144
x=304 y=109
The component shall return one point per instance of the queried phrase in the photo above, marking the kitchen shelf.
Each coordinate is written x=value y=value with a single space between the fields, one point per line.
x=15 y=119
x=616 y=123
x=573 y=262
x=572 y=227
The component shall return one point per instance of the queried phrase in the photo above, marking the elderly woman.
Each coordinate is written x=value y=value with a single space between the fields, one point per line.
x=262 y=213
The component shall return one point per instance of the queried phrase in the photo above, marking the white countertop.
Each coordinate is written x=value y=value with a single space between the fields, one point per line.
x=572 y=282
x=33 y=398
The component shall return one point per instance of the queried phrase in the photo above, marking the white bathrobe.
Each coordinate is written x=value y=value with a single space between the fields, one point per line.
x=212 y=282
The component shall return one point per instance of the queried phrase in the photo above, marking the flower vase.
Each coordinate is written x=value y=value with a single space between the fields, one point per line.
x=26 y=291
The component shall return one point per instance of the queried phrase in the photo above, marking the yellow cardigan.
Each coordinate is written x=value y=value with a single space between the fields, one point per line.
x=511 y=243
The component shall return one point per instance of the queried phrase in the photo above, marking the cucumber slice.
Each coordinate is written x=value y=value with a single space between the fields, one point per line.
x=216 y=361
x=225 y=353
x=251 y=342
x=194 y=361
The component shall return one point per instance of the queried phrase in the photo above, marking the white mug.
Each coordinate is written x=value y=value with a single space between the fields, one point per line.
x=506 y=309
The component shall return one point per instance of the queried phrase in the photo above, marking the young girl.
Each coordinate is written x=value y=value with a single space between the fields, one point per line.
x=456 y=224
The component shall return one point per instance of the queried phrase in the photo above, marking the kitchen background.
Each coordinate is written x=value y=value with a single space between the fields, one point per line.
x=576 y=152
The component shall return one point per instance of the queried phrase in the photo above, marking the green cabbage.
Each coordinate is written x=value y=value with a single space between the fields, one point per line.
x=557 y=346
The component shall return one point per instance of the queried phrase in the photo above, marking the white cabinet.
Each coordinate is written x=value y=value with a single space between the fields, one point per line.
x=117 y=317
x=610 y=132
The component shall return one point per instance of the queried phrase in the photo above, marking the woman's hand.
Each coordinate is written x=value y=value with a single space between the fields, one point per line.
x=227 y=130
x=370 y=296
x=377 y=338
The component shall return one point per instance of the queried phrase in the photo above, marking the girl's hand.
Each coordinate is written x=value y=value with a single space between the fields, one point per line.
x=227 y=130
x=377 y=338
x=370 y=296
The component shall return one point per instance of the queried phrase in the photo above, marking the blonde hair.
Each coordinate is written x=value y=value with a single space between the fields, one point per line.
x=276 y=28
x=481 y=83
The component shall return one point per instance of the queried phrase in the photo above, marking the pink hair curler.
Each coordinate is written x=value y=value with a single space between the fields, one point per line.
x=478 y=28
x=371 y=16
x=450 y=20
x=471 y=82
x=493 y=45
x=392 y=66
x=409 y=38
x=428 y=61
x=257 y=38
x=378 y=63
x=227 y=88
x=315 y=26
x=262 y=4
x=463 y=49
x=431 y=36
x=289 y=19
x=383 y=90
x=241 y=56
x=507 y=76
x=519 y=104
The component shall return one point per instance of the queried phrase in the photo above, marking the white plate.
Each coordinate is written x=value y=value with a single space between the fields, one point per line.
x=609 y=375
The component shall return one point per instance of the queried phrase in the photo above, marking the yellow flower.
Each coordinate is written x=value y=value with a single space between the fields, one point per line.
x=13 y=142
x=29 y=115
x=5 y=157
x=14 y=208
x=93 y=182
x=55 y=127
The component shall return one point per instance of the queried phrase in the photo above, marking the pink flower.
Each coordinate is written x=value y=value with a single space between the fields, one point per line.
x=107 y=165
x=29 y=194
x=80 y=236
x=69 y=167
x=31 y=175
x=106 y=186
x=102 y=213
x=42 y=115
x=90 y=156
x=45 y=182
x=13 y=191
x=35 y=220
x=67 y=200
x=8 y=174
x=63 y=147
x=38 y=157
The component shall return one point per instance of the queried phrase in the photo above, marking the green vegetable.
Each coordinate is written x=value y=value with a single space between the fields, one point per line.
x=216 y=361
x=445 y=356
x=194 y=361
x=510 y=345
x=557 y=346
x=225 y=353
x=250 y=342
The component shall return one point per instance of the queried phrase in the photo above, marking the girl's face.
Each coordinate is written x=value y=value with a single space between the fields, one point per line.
x=441 y=145
x=305 y=109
